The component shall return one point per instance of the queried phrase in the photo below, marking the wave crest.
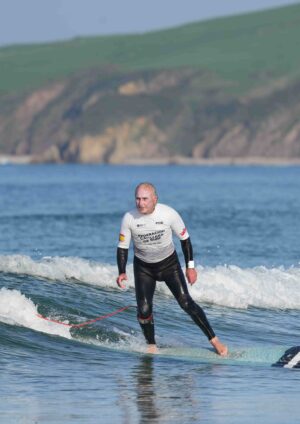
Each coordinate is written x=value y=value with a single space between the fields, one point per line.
x=229 y=286
x=17 y=309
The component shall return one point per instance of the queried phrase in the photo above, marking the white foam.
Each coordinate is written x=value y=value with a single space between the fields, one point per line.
x=60 y=269
x=260 y=287
x=229 y=286
x=128 y=342
x=17 y=309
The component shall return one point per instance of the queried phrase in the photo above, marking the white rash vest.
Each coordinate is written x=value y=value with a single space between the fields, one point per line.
x=152 y=233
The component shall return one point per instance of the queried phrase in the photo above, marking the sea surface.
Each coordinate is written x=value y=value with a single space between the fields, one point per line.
x=59 y=227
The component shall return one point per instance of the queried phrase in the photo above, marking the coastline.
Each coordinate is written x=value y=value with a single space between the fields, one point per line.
x=249 y=161
x=175 y=160
x=15 y=160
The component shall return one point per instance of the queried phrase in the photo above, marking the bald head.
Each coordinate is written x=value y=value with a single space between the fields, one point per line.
x=145 y=198
x=147 y=186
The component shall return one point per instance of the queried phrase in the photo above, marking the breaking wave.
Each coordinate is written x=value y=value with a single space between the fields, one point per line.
x=225 y=285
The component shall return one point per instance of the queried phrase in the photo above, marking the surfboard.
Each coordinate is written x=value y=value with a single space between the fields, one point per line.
x=265 y=356
x=290 y=358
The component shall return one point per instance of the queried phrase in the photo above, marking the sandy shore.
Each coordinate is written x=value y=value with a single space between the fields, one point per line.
x=176 y=160
x=16 y=160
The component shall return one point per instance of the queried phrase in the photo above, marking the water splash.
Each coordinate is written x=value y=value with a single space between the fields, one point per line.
x=17 y=309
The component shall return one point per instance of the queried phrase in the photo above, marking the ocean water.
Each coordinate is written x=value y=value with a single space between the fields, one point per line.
x=59 y=227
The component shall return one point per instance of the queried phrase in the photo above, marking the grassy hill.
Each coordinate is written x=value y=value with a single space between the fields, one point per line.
x=225 y=89
x=247 y=51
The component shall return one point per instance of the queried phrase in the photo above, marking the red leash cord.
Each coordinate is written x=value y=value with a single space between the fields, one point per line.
x=86 y=322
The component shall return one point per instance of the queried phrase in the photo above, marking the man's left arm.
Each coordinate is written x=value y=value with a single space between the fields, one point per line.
x=187 y=249
x=180 y=230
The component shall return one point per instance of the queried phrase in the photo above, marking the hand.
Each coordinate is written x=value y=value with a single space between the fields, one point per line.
x=191 y=275
x=121 y=278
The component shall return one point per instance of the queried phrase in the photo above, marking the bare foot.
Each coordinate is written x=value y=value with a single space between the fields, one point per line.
x=221 y=349
x=152 y=348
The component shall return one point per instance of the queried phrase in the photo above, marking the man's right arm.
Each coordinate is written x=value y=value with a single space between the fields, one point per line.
x=122 y=256
x=122 y=251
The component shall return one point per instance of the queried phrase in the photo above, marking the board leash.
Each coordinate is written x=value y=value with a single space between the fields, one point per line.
x=83 y=324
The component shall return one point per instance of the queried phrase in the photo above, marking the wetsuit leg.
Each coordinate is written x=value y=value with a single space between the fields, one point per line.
x=176 y=282
x=144 y=290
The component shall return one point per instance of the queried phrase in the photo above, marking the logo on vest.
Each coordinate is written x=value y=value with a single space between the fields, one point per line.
x=183 y=232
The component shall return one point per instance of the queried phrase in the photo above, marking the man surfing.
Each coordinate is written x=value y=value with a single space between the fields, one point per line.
x=150 y=225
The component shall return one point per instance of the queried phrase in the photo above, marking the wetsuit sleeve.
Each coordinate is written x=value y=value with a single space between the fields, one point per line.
x=124 y=243
x=125 y=233
x=122 y=256
x=187 y=250
x=177 y=226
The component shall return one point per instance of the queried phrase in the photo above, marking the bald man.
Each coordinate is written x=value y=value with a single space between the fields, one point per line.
x=151 y=225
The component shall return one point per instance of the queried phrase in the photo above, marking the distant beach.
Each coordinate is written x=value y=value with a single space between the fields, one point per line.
x=176 y=160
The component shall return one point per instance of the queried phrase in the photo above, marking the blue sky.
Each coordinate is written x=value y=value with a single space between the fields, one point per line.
x=24 y=21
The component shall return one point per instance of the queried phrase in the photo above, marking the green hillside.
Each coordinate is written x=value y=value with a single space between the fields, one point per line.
x=245 y=50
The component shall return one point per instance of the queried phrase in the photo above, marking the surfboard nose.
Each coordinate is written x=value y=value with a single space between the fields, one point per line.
x=290 y=358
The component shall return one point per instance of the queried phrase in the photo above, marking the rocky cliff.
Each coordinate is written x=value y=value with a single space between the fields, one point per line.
x=104 y=115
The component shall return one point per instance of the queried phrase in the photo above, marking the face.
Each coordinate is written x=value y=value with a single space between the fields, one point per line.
x=145 y=200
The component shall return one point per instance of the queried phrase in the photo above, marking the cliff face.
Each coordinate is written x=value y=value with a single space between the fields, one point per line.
x=107 y=116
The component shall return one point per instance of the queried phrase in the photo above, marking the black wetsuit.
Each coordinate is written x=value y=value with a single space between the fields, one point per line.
x=169 y=270
x=156 y=260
